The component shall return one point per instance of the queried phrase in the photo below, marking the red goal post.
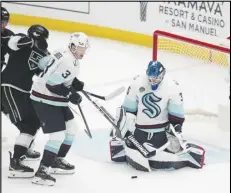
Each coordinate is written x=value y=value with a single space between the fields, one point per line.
x=210 y=49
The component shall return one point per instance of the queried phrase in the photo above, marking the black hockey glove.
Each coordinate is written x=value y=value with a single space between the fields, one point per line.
x=69 y=93
x=74 y=98
x=77 y=84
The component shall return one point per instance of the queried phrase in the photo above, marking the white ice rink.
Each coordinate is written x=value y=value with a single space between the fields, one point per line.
x=108 y=65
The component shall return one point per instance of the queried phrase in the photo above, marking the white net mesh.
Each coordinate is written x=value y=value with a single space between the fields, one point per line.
x=210 y=49
x=207 y=63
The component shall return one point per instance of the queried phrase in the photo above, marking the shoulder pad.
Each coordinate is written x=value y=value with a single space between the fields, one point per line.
x=9 y=32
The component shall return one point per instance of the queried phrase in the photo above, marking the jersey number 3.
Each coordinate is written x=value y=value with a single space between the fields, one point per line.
x=152 y=110
x=66 y=74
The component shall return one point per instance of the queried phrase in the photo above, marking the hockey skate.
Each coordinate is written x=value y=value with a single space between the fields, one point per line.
x=19 y=170
x=43 y=177
x=61 y=166
x=32 y=155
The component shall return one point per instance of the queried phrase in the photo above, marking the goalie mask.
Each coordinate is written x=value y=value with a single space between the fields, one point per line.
x=78 y=44
x=155 y=73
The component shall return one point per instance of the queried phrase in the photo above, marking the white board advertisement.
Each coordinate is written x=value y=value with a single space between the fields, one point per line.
x=201 y=18
x=206 y=18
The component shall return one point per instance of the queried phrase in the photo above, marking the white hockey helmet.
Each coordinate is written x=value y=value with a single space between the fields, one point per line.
x=78 y=44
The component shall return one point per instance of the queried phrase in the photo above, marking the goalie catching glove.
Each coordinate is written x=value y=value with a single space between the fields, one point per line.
x=177 y=143
x=191 y=154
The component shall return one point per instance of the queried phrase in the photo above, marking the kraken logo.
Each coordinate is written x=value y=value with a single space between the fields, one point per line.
x=150 y=101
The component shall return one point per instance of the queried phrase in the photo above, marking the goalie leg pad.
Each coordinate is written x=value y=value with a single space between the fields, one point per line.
x=167 y=165
x=194 y=155
x=164 y=160
x=167 y=160
x=117 y=151
x=136 y=159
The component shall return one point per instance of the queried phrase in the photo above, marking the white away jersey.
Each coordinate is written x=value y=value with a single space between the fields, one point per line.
x=59 y=68
x=154 y=107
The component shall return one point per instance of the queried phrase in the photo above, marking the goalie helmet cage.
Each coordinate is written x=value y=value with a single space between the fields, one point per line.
x=210 y=49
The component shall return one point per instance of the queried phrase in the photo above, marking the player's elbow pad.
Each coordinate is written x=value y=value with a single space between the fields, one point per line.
x=19 y=41
x=25 y=42
x=174 y=120
x=59 y=89
x=45 y=61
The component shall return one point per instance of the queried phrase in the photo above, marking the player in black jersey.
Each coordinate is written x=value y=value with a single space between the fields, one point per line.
x=5 y=35
x=16 y=85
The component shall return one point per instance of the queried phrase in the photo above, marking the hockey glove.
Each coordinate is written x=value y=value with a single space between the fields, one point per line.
x=74 y=98
x=77 y=84
x=69 y=93
x=177 y=143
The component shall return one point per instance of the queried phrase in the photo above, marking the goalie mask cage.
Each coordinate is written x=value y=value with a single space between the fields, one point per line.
x=212 y=49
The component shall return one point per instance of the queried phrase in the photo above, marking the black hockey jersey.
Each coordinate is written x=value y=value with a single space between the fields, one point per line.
x=21 y=67
x=5 y=36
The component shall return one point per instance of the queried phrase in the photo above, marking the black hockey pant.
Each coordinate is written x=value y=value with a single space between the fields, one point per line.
x=20 y=109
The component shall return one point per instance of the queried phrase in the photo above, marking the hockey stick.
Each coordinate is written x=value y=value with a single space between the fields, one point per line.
x=108 y=97
x=104 y=113
x=130 y=136
x=88 y=132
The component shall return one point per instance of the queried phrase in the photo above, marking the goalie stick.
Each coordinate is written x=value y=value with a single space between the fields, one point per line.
x=110 y=96
x=130 y=136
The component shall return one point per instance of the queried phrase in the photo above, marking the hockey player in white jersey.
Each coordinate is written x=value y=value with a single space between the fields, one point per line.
x=51 y=92
x=153 y=112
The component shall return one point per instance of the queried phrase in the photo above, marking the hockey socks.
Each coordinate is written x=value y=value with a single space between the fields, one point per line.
x=66 y=145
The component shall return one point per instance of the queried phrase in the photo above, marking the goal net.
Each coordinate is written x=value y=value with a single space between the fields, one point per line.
x=208 y=55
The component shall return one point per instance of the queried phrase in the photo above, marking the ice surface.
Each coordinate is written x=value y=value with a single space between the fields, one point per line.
x=109 y=65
